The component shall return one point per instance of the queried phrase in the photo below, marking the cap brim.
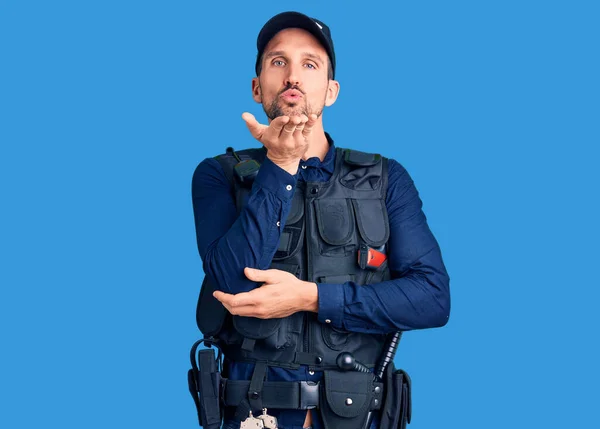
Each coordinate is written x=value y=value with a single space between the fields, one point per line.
x=292 y=20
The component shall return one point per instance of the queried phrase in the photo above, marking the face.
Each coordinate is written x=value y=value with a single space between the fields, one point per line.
x=293 y=80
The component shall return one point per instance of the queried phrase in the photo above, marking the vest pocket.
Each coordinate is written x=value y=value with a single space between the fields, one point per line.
x=334 y=338
x=291 y=236
x=272 y=333
x=335 y=222
x=289 y=242
x=255 y=328
x=372 y=220
x=266 y=334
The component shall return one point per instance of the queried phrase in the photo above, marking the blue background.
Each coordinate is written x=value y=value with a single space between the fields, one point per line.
x=106 y=108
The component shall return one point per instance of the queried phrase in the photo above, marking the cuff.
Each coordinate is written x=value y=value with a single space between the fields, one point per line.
x=331 y=304
x=276 y=180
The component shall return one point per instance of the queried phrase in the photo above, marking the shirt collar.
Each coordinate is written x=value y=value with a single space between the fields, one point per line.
x=328 y=163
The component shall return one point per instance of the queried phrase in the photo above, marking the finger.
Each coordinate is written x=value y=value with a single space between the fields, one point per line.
x=312 y=120
x=238 y=311
x=300 y=126
x=266 y=276
x=256 y=129
x=290 y=127
x=235 y=301
x=249 y=311
x=278 y=123
x=224 y=298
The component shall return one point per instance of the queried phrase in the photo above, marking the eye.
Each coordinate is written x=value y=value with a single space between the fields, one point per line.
x=278 y=63
x=310 y=65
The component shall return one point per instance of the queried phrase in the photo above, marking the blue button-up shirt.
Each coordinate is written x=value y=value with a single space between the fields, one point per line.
x=416 y=297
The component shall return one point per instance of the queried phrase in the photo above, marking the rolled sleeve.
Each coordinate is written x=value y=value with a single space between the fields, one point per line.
x=331 y=304
x=276 y=180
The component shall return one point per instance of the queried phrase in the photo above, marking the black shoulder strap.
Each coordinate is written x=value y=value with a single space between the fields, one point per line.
x=355 y=158
x=361 y=159
x=228 y=161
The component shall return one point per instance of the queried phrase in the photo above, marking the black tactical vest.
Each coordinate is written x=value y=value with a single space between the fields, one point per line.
x=328 y=225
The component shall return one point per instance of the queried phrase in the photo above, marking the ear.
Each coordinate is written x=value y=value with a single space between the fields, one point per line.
x=256 y=91
x=333 y=90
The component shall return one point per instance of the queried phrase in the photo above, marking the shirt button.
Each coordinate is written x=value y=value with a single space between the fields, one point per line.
x=278 y=223
x=288 y=187
x=327 y=321
x=311 y=372
x=304 y=167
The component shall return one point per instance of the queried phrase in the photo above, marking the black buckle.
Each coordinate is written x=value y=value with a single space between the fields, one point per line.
x=309 y=395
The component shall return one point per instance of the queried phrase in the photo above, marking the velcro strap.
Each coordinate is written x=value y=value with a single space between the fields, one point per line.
x=248 y=344
x=255 y=396
x=309 y=359
x=363 y=159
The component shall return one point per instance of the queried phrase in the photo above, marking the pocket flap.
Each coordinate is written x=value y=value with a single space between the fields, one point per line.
x=372 y=219
x=255 y=328
x=335 y=220
x=348 y=393
x=297 y=210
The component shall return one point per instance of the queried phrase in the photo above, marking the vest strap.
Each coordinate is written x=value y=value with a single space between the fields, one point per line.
x=362 y=159
x=249 y=399
x=309 y=359
x=248 y=344
x=256 y=386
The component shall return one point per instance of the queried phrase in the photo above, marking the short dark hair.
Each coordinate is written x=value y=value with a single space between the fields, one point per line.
x=329 y=67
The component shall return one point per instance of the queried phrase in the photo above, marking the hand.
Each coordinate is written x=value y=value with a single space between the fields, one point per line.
x=286 y=138
x=281 y=295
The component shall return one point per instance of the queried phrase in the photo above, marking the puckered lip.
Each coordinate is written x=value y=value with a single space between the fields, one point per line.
x=291 y=93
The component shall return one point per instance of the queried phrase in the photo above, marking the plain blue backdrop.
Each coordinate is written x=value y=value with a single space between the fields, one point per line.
x=106 y=108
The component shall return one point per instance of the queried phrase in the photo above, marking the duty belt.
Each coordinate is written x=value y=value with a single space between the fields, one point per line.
x=291 y=395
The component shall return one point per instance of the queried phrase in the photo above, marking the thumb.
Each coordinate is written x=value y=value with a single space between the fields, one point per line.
x=253 y=274
x=255 y=128
x=267 y=276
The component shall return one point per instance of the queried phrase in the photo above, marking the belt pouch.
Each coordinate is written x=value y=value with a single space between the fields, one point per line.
x=402 y=379
x=208 y=381
x=390 y=413
x=396 y=412
x=345 y=399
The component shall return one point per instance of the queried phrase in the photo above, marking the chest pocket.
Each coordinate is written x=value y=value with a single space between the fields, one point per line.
x=335 y=222
x=372 y=221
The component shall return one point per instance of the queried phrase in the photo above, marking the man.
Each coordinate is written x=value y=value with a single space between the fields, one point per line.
x=314 y=251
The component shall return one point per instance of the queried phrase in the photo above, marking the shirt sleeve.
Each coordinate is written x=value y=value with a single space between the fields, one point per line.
x=417 y=296
x=228 y=243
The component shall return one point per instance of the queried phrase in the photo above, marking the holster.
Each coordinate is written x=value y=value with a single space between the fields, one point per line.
x=346 y=398
x=397 y=406
x=205 y=384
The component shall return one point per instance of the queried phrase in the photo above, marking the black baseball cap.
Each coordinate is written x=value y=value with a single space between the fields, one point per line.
x=295 y=20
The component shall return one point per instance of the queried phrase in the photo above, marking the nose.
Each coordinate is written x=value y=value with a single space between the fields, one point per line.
x=293 y=76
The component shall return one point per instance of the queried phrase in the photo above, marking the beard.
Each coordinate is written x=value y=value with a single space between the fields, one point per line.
x=279 y=108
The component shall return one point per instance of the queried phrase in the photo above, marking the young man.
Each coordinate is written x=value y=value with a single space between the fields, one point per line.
x=313 y=250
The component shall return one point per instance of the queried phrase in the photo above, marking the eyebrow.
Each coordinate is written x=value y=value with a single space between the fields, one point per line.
x=306 y=54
